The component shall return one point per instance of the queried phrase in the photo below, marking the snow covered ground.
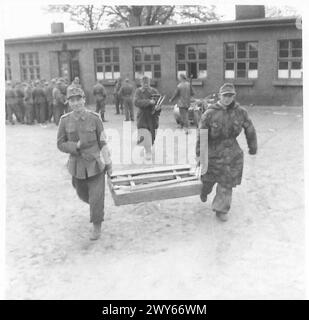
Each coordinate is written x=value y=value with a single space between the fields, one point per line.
x=172 y=249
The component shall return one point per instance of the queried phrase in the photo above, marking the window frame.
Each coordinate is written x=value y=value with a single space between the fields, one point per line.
x=8 y=67
x=186 y=61
x=112 y=64
x=289 y=59
x=247 y=60
x=152 y=62
x=27 y=67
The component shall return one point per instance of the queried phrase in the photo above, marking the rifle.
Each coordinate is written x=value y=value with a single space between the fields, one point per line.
x=159 y=100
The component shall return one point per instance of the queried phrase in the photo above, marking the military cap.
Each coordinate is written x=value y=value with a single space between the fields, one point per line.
x=227 y=88
x=75 y=91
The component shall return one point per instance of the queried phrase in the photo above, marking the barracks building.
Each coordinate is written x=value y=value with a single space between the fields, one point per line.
x=261 y=56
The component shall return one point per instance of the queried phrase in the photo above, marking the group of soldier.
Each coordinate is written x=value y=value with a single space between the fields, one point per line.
x=42 y=101
x=37 y=101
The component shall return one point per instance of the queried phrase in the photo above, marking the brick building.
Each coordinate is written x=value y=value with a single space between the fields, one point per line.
x=261 y=56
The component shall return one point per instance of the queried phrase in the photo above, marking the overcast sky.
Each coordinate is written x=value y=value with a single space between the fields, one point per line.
x=26 y=18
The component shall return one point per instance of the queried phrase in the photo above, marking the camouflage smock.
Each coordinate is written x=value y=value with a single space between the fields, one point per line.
x=225 y=157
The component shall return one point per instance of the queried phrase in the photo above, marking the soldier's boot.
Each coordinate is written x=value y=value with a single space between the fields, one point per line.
x=203 y=197
x=103 y=117
x=96 y=231
x=222 y=216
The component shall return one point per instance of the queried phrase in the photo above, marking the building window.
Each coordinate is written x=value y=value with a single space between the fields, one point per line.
x=290 y=59
x=30 y=66
x=241 y=60
x=191 y=60
x=8 y=70
x=107 y=63
x=146 y=62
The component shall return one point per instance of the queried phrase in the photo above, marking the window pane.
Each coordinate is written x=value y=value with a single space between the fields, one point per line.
x=202 y=52
x=229 y=50
x=296 y=70
x=107 y=52
x=283 y=66
x=156 y=53
x=296 y=53
x=181 y=67
x=283 y=53
x=108 y=68
x=116 y=55
x=107 y=59
x=241 y=54
x=116 y=68
x=229 y=66
x=241 y=46
x=157 y=67
x=296 y=44
x=147 y=53
x=284 y=44
x=241 y=70
x=181 y=52
x=296 y=65
x=191 y=53
x=148 y=74
x=137 y=54
x=147 y=67
x=202 y=66
x=229 y=74
x=157 y=74
x=99 y=69
x=253 y=66
x=138 y=67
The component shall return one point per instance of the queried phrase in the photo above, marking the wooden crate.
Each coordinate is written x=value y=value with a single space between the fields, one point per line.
x=159 y=183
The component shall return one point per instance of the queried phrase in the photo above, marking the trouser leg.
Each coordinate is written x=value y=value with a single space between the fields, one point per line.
x=10 y=113
x=131 y=109
x=184 y=117
x=42 y=112
x=81 y=187
x=57 y=114
x=96 y=187
x=117 y=103
x=223 y=199
x=126 y=109
x=49 y=111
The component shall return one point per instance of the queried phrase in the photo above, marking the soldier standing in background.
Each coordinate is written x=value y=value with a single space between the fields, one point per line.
x=28 y=102
x=118 y=100
x=10 y=101
x=58 y=102
x=20 y=108
x=49 y=98
x=183 y=92
x=126 y=95
x=81 y=134
x=39 y=102
x=147 y=121
x=224 y=122
x=100 y=96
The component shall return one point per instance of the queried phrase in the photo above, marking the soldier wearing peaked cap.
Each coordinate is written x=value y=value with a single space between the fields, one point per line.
x=81 y=135
x=224 y=122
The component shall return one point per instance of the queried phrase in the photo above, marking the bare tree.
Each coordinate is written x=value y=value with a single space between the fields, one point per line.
x=88 y=16
x=282 y=11
x=92 y=17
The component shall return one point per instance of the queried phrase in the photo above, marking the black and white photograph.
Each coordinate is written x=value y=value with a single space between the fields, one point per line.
x=153 y=150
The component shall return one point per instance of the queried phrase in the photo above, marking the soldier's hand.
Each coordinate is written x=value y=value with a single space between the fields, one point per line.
x=78 y=144
x=153 y=102
x=109 y=169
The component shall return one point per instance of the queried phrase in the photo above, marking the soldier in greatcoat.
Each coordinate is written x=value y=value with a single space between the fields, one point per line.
x=126 y=95
x=224 y=121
